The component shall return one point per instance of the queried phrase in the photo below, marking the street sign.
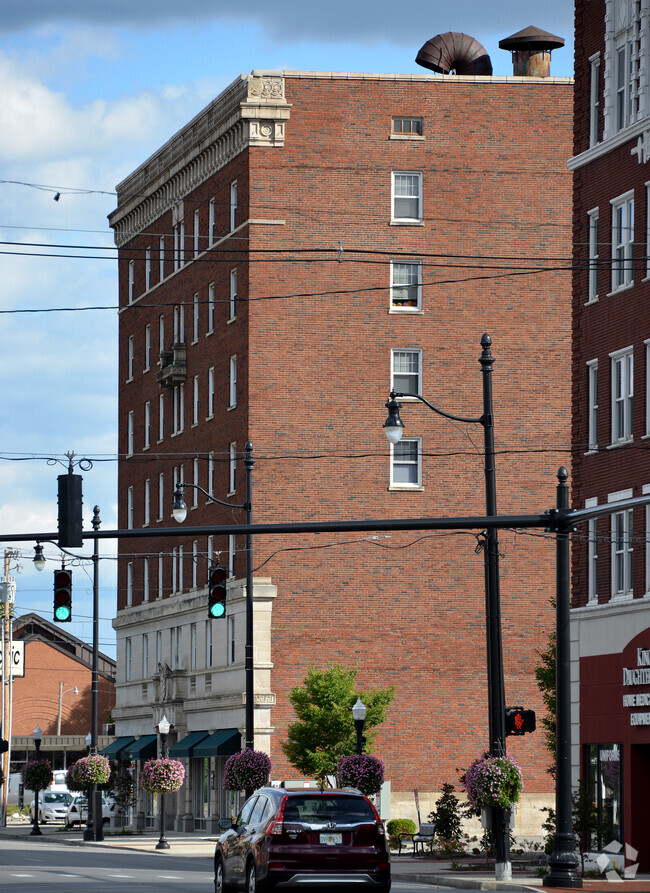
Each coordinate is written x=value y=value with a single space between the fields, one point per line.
x=17 y=658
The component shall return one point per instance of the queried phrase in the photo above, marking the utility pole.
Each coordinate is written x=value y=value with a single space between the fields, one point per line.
x=8 y=597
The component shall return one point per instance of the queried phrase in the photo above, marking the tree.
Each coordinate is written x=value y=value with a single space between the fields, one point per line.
x=325 y=727
x=545 y=675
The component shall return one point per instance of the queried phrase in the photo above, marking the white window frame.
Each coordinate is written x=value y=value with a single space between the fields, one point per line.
x=232 y=548
x=645 y=490
x=622 y=395
x=147 y=269
x=193 y=648
x=161 y=334
x=592 y=406
x=179 y=324
x=210 y=486
x=231 y=643
x=129 y=433
x=195 y=563
x=160 y=595
x=233 y=205
x=145 y=579
x=147 y=503
x=405 y=269
x=397 y=355
x=622 y=548
x=397 y=462
x=647 y=387
x=210 y=392
x=178 y=394
x=161 y=258
x=147 y=348
x=594 y=99
x=232 y=475
x=129 y=508
x=232 y=382
x=131 y=281
x=398 y=183
x=195 y=492
x=211 y=219
x=647 y=231
x=161 y=496
x=129 y=584
x=233 y=294
x=145 y=654
x=622 y=241
x=195 y=401
x=592 y=554
x=161 y=417
x=127 y=658
x=195 y=318
x=147 y=425
x=196 y=233
x=594 y=256
x=210 y=327
x=131 y=358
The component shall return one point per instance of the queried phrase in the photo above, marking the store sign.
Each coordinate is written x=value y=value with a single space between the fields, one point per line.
x=17 y=658
x=639 y=675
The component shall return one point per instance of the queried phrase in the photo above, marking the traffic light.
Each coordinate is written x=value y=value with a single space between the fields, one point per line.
x=519 y=721
x=70 y=511
x=217 y=577
x=63 y=596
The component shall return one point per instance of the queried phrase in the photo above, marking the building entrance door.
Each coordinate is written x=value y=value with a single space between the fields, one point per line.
x=639 y=836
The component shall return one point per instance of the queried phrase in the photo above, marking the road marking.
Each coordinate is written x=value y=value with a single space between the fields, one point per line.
x=170 y=877
x=123 y=876
x=22 y=875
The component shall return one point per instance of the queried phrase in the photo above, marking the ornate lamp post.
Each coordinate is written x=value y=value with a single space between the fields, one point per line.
x=394 y=428
x=38 y=735
x=163 y=730
x=179 y=511
x=359 y=716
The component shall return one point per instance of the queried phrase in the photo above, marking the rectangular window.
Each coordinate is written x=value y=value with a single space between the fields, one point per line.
x=147 y=501
x=193 y=663
x=211 y=474
x=208 y=643
x=407 y=196
x=147 y=425
x=231 y=640
x=210 y=392
x=129 y=584
x=174 y=570
x=129 y=434
x=604 y=789
x=647 y=231
x=195 y=563
x=406 y=463
x=405 y=285
x=195 y=492
x=179 y=408
x=406 y=371
x=195 y=319
x=233 y=294
x=408 y=126
x=161 y=333
x=233 y=467
x=161 y=258
x=129 y=508
x=147 y=348
x=147 y=269
x=622 y=553
x=195 y=401
x=622 y=241
x=161 y=417
x=594 y=100
x=127 y=659
x=622 y=395
x=145 y=656
x=211 y=209
x=647 y=387
x=592 y=554
x=233 y=205
x=210 y=307
x=179 y=324
x=161 y=497
x=145 y=579
x=131 y=356
x=160 y=584
x=131 y=280
x=645 y=490
x=232 y=390
x=231 y=554
x=196 y=233
x=181 y=565
x=592 y=384
x=592 y=287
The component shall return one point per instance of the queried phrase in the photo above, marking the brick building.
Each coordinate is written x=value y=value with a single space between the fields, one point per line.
x=611 y=416
x=304 y=243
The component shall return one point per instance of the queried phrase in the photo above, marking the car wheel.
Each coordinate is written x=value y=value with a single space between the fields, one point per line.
x=253 y=885
x=41 y=819
x=220 y=885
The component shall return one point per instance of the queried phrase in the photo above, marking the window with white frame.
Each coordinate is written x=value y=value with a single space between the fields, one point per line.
x=129 y=508
x=160 y=582
x=406 y=463
x=161 y=496
x=233 y=294
x=181 y=565
x=147 y=502
x=622 y=395
x=407 y=196
x=147 y=269
x=647 y=387
x=145 y=579
x=233 y=467
x=147 y=348
x=645 y=490
x=195 y=401
x=406 y=371
x=592 y=285
x=174 y=569
x=131 y=281
x=161 y=258
x=211 y=474
x=592 y=397
x=232 y=390
x=210 y=550
x=208 y=643
x=622 y=241
x=129 y=434
x=193 y=649
x=147 y=425
x=129 y=584
x=594 y=99
x=196 y=233
x=621 y=547
x=179 y=407
x=231 y=554
x=647 y=231
x=159 y=653
x=161 y=416
x=233 y=205
x=195 y=492
x=210 y=308
x=405 y=285
x=210 y=392
x=179 y=324
x=628 y=61
x=131 y=356
x=161 y=333
x=195 y=563
x=195 y=318
x=231 y=640
x=211 y=218
x=127 y=659
x=592 y=554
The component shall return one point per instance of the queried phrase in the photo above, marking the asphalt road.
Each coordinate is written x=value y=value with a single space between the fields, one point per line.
x=42 y=867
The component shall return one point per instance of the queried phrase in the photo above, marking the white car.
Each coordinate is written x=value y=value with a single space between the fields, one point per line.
x=52 y=806
x=77 y=810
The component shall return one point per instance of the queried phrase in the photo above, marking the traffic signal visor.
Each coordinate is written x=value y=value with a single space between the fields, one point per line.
x=63 y=596
x=217 y=577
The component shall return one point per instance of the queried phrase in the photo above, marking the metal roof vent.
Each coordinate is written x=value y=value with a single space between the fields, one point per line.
x=454 y=53
x=531 y=51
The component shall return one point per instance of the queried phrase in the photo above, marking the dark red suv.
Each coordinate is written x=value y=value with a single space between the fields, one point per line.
x=303 y=838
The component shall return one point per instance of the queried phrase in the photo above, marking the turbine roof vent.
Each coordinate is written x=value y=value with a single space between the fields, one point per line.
x=455 y=53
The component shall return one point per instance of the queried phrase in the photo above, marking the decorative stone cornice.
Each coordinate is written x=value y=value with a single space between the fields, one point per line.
x=250 y=112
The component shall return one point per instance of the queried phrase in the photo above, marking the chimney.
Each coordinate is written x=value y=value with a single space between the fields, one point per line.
x=531 y=51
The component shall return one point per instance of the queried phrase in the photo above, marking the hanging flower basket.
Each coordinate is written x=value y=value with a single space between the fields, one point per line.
x=37 y=775
x=361 y=771
x=247 y=769
x=493 y=781
x=94 y=769
x=162 y=776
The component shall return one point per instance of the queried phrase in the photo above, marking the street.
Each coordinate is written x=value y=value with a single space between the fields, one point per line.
x=35 y=866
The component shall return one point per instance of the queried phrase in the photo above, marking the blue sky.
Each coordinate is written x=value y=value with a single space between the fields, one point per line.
x=90 y=89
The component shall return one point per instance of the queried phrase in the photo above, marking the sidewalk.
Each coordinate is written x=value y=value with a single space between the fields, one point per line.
x=418 y=869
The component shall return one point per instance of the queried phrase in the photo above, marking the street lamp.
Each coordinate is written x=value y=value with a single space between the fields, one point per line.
x=163 y=730
x=38 y=735
x=394 y=428
x=179 y=512
x=75 y=690
x=359 y=716
x=39 y=558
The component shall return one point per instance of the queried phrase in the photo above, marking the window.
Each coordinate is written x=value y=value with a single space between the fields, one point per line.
x=210 y=392
x=233 y=467
x=405 y=285
x=195 y=401
x=407 y=196
x=622 y=553
x=233 y=382
x=408 y=126
x=231 y=640
x=592 y=421
x=129 y=434
x=211 y=307
x=645 y=491
x=406 y=465
x=161 y=416
x=196 y=233
x=211 y=474
x=147 y=348
x=604 y=788
x=211 y=208
x=145 y=580
x=129 y=508
x=233 y=294
x=179 y=324
x=179 y=407
x=592 y=286
x=161 y=258
x=195 y=563
x=174 y=571
x=622 y=241
x=647 y=388
x=622 y=394
x=195 y=492
x=193 y=663
x=592 y=554
x=179 y=244
x=406 y=371
x=131 y=280
x=147 y=269
x=127 y=659
x=147 y=425
x=233 y=205
x=145 y=656
x=594 y=100
x=161 y=497
x=195 y=319
x=160 y=595
x=161 y=333
x=231 y=554
x=208 y=643
x=147 y=502
x=131 y=353
x=129 y=584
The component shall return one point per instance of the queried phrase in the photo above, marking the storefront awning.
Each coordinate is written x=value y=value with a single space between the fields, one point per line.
x=143 y=749
x=222 y=743
x=185 y=747
x=115 y=748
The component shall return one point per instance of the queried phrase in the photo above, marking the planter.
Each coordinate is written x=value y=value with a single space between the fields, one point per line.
x=247 y=769
x=162 y=776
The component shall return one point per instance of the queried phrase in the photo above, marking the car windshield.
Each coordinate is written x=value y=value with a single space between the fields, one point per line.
x=56 y=797
x=342 y=810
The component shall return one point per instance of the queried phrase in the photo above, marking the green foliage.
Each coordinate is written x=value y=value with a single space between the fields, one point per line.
x=325 y=727
x=446 y=816
x=545 y=675
x=399 y=826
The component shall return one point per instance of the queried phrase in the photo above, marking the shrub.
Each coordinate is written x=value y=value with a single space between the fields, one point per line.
x=446 y=816
x=399 y=826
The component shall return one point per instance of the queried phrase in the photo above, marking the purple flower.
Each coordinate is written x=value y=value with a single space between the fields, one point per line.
x=361 y=771
x=247 y=769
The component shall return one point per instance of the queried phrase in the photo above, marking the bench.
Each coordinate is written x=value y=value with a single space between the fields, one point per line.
x=425 y=834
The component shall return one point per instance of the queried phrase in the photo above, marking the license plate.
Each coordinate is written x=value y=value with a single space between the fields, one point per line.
x=331 y=839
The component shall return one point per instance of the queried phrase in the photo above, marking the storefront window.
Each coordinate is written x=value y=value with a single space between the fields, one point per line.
x=201 y=788
x=603 y=779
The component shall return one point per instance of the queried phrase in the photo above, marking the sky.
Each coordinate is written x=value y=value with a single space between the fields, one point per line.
x=90 y=89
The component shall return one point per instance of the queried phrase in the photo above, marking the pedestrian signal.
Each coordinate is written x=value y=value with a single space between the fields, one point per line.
x=519 y=721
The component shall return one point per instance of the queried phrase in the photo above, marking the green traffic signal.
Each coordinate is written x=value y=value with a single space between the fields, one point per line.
x=63 y=596
x=62 y=613
x=217 y=577
x=218 y=609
